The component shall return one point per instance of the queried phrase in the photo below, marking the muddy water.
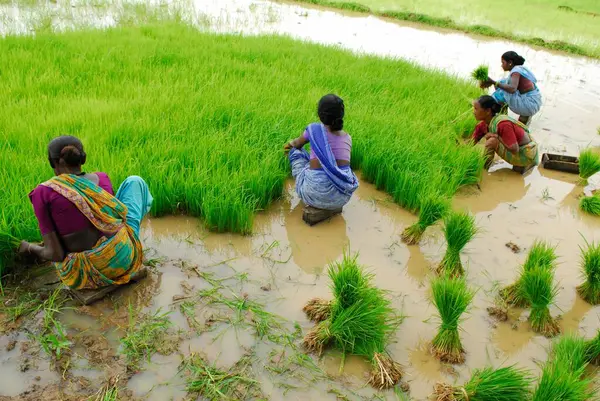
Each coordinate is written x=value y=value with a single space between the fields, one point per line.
x=290 y=258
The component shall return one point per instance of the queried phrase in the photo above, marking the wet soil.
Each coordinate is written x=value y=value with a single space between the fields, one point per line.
x=282 y=265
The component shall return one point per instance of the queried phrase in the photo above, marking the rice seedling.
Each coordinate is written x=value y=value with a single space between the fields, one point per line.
x=433 y=207
x=362 y=328
x=481 y=73
x=145 y=336
x=542 y=254
x=563 y=374
x=559 y=384
x=213 y=383
x=489 y=384
x=110 y=391
x=451 y=297
x=592 y=349
x=590 y=266
x=348 y=280
x=589 y=164
x=539 y=291
x=459 y=229
x=591 y=204
x=237 y=169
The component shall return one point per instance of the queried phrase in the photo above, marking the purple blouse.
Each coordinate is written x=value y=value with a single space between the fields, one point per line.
x=54 y=212
x=341 y=145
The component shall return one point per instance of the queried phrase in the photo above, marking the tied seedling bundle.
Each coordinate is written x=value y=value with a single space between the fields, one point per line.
x=451 y=297
x=592 y=349
x=481 y=74
x=591 y=204
x=503 y=384
x=348 y=280
x=433 y=207
x=361 y=321
x=543 y=255
x=590 y=266
x=459 y=229
x=589 y=164
x=562 y=376
x=539 y=292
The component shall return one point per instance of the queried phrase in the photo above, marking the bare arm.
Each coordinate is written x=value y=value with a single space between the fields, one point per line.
x=514 y=83
x=51 y=249
x=297 y=143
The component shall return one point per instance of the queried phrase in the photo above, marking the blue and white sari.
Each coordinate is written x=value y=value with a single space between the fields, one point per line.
x=523 y=104
x=329 y=187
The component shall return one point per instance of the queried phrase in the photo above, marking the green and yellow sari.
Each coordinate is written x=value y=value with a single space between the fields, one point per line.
x=117 y=256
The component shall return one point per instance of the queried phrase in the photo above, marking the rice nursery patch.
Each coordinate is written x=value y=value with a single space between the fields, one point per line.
x=539 y=292
x=589 y=164
x=542 y=254
x=451 y=296
x=202 y=117
x=433 y=207
x=459 y=229
x=591 y=204
x=488 y=384
x=360 y=322
x=590 y=266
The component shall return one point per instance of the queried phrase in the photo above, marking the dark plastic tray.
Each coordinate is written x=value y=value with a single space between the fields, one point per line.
x=568 y=164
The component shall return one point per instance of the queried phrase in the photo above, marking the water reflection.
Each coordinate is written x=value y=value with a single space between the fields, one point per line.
x=314 y=247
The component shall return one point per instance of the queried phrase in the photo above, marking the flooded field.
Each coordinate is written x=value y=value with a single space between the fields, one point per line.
x=282 y=264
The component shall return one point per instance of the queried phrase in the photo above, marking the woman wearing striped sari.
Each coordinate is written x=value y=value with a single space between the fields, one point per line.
x=90 y=234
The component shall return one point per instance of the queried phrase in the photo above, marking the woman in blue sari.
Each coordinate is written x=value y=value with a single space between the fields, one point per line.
x=519 y=90
x=324 y=179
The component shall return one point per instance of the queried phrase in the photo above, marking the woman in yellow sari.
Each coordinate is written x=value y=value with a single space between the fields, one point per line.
x=90 y=233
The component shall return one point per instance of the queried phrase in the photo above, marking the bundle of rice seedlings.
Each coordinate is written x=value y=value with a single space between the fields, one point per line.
x=562 y=376
x=590 y=266
x=348 y=279
x=592 y=349
x=459 y=229
x=559 y=384
x=541 y=254
x=591 y=204
x=589 y=164
x=451 y=297
x=362 y=329
x=503 y=384
x=539 y=291
x=481 y=73
x=8 y=243
x=433 y=207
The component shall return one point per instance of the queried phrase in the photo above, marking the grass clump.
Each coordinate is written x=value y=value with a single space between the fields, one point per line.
x=589 y=164
x=432 y=208
x=488 y=384
x=481 y=73
x=539 y=291
x=592 y=349
x=590 y=265
x=360 y=322
x=459 y=229
x=591 y=204
x=145 y=336
x=451 y=297
x=543 y=255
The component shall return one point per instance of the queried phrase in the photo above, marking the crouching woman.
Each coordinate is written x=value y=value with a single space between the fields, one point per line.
x=91 y=234
x=504 y=136
x=324 y=179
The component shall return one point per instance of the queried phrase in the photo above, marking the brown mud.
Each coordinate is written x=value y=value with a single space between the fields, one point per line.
x=282 y=266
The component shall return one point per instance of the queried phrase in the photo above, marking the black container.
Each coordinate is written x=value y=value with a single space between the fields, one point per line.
x=568 y=164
